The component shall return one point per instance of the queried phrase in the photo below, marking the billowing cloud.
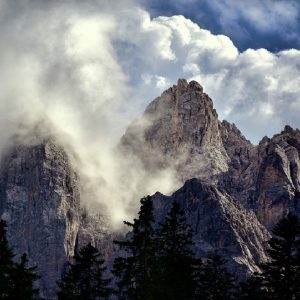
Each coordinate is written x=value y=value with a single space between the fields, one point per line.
x=86 y=68
x=272 y=24
x=250 y=88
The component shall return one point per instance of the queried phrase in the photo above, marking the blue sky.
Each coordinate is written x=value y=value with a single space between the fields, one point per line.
x=270 y=24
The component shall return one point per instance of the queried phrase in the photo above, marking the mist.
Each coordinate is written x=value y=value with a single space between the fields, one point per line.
x=60 y=77
x=83 y=70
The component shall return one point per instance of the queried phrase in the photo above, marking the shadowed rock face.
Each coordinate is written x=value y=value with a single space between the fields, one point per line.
x=277 y=185
x=40 y=200
x=238 y=191
x=220 y=225
x=180 y=130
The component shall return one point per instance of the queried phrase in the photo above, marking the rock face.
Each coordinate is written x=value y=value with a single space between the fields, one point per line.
x=40 y=200
x=277 y=185
x=221 y=226
x=233 y=191
x=180 y=130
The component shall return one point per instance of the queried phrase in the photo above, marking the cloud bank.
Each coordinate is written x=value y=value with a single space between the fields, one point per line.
x=89 y=68
x=273 y=24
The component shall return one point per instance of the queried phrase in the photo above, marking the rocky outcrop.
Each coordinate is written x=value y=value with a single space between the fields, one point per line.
x=220 y=225
x=238 y=191
x=179 y=129
x=239 y=180
x=40 y=201
x=93 y=229
x=277 y=185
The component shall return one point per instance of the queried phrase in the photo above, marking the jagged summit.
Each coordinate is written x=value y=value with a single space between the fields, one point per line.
x=180 y=130
x=232 y=193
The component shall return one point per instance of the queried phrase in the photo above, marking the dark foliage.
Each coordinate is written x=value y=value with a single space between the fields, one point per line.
x=176 y=259
x=136 y=270
x=215 y=282
x=16 y=279
x=281 y=275
x=84 y=279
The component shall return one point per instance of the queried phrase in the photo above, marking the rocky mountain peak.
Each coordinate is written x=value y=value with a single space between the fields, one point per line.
x=233 y=192
x=181 y=128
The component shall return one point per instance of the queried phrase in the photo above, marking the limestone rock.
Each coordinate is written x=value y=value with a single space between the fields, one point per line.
x=220 y=225
x=277 y=185
x=39 y=198
x=179 y=129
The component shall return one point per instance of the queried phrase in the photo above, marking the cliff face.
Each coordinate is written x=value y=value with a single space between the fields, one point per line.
x=180 y=130
x=233 y=191
x=221 y=226
x=277 y=185
x=40 y=200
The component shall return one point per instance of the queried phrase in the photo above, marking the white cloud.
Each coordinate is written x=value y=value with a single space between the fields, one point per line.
x=249 y=88
x=89 y=67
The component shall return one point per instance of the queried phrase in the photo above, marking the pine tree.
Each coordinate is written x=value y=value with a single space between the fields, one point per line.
x=174 y=238
x=253 y=288
x=84 y=279
x=135 y=269
x=281 y=274
x=16 y=279
x=6 y=264
x=23 y=278
x=215 y=282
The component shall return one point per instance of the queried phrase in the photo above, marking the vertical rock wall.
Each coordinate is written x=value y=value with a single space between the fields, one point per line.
x=40 y=201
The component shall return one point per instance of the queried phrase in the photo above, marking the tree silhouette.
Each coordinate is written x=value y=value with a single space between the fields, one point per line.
x=176 y=259
x=84 y=279
x=215 y=282
x=6 y=264
x=16 y=279
x=254 y=288
x=281 y=274
x=135 y=270
x=23 y=278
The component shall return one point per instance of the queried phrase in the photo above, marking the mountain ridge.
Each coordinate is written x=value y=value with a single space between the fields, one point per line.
x=232 y=191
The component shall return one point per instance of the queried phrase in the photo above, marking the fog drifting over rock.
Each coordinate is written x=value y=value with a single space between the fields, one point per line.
x=87 y=69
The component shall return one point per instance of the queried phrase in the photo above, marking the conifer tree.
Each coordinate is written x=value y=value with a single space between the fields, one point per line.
x=6 y=264
x=215 y=282
x=16 y=279
x=281 y=274
x=23 y=278
x=254 y=288
x=84 y=279
x=176 y=259
x=135 y=269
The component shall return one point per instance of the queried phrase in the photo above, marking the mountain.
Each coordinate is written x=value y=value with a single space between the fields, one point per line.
x=40 y=200
x=180 y=129
x=243 y=183
x=220 y=225
x=232 y=192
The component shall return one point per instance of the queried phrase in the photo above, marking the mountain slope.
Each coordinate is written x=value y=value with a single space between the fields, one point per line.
x=233 y=192
x=180 y=130
x=40 y=200
x=220 y=225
